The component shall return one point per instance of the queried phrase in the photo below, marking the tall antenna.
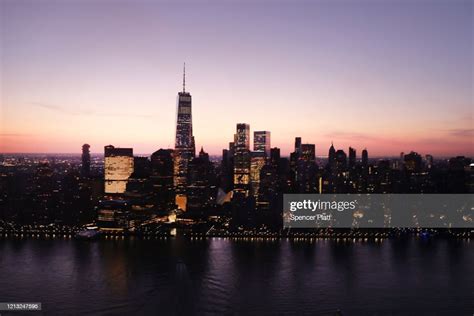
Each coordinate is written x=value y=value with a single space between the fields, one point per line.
x=184 y=77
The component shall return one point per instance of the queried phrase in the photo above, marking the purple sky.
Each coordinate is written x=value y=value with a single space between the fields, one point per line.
x=391 y=76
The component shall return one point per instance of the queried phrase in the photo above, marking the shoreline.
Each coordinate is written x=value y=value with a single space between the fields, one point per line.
x=459 y=234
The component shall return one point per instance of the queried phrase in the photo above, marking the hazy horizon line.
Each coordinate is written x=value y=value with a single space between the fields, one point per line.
x=220 y=155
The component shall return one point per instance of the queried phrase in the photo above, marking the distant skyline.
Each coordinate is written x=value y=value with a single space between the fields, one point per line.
x=389 y=76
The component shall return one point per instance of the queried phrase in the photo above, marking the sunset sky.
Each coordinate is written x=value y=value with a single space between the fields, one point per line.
x=389 y=76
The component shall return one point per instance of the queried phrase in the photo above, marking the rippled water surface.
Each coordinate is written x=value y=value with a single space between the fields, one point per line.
x=217 y=276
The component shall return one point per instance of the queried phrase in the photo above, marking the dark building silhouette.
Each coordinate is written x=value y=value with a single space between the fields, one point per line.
x=139 y=180
x=271 y=194
x=162 y=173
x=413 y=162
x=331 y=155
x=298 y=145
x=275 y=156
x=139 y=193
x=365 y=158
x=227 y=170
x=352 y=158
x=86 y=161
x=341 y=160
x=460 y=178
x=202 y=189
x=306 y=169
x=302 y=168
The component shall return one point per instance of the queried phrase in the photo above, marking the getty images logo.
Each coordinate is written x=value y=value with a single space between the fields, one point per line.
x=319 y=205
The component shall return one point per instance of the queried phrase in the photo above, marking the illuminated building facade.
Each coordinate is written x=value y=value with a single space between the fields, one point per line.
x=112 y=215
x=308 y=152
x=242 y=158
x=257 y=161
x=261 y=142
x=184 y=145
x=118 y=167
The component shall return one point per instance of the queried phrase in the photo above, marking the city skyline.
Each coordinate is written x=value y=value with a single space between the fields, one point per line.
x=329 y=75
x=242 y=157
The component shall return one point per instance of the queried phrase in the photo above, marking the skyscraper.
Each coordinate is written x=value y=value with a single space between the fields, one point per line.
x=86 y=160
x=352 y=157
x=162 y=179
x=242 y=158
x=365 y=158
x=341 y=160
x=139 y=184
x=261 y=142
x=202 y=189
x=308 y=152
x=184 y=144
x=275 y=156
x=118 y=167
x=331 y=155
x=261 y=147
x=306 y=169
x=227 y=168
x=413 y=162
x=298 y=145
x=257 y=161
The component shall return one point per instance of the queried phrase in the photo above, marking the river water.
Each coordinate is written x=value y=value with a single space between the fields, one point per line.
x=229 y=277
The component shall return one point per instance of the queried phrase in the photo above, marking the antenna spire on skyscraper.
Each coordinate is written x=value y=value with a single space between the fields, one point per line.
x=184 y=77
